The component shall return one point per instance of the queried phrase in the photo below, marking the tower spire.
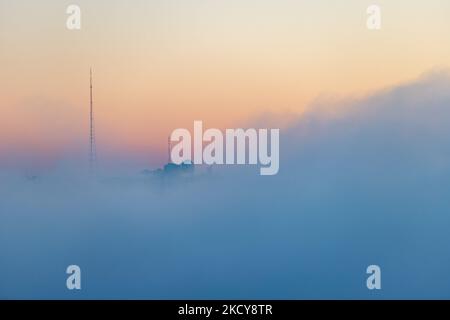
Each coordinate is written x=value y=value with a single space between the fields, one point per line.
x=92 y=151
x=169 y=160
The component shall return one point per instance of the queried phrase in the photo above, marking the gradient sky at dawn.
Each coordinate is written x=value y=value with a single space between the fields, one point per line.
x=364 y=174
x=159 y=65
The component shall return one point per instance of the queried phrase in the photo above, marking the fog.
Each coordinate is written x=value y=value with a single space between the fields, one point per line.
x=362 y=181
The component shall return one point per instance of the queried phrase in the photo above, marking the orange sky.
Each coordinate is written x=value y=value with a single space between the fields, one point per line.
x=159 y=65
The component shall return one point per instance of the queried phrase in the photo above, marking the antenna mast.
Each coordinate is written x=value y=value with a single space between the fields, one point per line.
x=169 y=160
x=92 y=151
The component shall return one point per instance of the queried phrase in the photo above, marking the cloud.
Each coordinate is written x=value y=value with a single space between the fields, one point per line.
x=365 y=185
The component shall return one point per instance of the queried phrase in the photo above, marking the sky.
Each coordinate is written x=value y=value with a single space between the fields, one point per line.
x=364 y=156
x=160 y=65
x=367 y=186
